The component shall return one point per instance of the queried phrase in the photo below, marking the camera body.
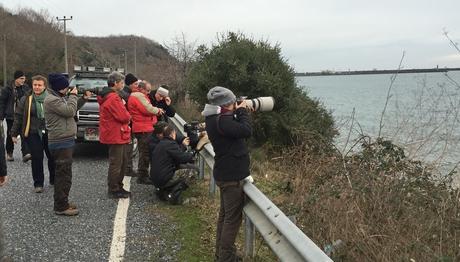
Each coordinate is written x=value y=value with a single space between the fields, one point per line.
x=94 y=90
x=262 y=104
x=193 y=130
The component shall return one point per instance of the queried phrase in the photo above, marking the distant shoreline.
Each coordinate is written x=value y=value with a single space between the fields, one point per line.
x=375 y=72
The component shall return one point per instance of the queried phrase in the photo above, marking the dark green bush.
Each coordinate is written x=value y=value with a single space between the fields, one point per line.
x=255 y=68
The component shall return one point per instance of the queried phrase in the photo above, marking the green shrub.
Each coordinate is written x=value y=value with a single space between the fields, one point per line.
x=255 y=68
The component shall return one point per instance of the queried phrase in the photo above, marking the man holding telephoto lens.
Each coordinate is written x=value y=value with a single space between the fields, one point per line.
x=228 y=125
x=60 y=105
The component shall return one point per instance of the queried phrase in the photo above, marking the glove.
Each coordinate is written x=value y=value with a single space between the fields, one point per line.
x=248 y=179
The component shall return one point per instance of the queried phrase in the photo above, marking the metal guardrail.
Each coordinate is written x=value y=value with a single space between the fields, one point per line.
x=286 y=240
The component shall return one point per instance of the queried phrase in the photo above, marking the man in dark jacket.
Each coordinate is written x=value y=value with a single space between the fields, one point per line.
x=131 y=82
x=160 y=98
x=9 y=98
x=172 y=169
x=227 y=126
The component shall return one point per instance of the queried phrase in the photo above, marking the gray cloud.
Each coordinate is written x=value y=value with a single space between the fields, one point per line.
x=314 y=35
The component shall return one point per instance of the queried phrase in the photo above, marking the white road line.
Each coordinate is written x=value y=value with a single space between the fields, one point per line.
x=117 y=249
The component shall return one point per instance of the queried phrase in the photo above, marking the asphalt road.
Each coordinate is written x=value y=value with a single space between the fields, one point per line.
x=34 y=233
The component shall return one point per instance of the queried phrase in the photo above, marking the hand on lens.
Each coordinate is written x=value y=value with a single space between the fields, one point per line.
x=186 y=141
x=74 y=91
x=243 y=104
x=87 y=94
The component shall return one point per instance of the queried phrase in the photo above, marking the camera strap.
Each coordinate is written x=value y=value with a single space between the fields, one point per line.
x=218 y=121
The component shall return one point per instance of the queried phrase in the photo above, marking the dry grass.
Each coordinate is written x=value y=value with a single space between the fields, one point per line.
x=383 y=206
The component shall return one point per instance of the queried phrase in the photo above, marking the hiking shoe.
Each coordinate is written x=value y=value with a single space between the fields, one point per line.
x=68 y=212
x=144 y=181
x=9 y=157
x=120 y=194
x=26 y=158
x=126 y=192
x=72 y=206
x=38 y=189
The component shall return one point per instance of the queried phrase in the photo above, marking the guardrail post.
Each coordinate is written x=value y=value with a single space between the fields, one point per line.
x=212 y=186
x=249 y=237
x=201 y=166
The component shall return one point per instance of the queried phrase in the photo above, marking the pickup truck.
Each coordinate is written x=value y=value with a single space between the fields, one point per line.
x=87 y=116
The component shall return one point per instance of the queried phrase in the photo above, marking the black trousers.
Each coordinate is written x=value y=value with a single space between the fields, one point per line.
x=2 y=156
x=9 y=142
x=38 y=148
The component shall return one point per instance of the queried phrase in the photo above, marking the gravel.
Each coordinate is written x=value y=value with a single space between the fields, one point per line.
x=34 y=233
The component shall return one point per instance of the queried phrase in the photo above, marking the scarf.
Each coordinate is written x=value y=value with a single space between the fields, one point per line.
x=39 y=99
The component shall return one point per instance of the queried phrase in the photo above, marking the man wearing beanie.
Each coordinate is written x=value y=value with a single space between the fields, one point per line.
x=60 y=108
x=160 y=98
x=9 y=98
x=131 y=82
x=227 y=126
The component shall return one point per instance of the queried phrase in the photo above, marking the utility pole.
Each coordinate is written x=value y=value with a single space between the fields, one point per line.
x=135 y=53
x=64 y=19
x=126 y=61
x=135 y=56
x=4 y=60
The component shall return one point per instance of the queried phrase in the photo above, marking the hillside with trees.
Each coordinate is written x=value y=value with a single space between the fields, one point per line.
x=35 y=44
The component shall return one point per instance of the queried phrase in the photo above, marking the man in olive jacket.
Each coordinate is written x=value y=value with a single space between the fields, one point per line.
x=60 y=110
x=227 y=126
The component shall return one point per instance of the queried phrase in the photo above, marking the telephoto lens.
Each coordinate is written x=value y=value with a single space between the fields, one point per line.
x=262 y=104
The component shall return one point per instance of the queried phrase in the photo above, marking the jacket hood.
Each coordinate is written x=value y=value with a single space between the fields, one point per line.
x=104 y=94
x=210 y=110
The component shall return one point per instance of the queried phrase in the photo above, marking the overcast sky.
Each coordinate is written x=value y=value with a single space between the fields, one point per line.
x=314 y=35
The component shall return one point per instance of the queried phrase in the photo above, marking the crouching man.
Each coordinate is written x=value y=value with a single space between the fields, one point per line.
x=172 y=167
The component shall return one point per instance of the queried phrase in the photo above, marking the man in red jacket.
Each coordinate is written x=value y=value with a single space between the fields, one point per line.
x=144 y=117
x=114 y=131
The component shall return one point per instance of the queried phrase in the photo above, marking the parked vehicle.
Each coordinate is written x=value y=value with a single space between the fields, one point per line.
x=93 y=79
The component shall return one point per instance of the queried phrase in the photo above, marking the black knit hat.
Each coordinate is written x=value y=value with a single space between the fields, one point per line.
x=58 y=81
x=159 y=127
x=129 y=79
x=18 y=74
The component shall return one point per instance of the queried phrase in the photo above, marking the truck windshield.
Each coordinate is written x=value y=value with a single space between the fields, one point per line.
x=88 y=83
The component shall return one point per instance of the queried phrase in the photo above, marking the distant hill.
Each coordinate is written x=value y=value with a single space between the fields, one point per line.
x=35 y=44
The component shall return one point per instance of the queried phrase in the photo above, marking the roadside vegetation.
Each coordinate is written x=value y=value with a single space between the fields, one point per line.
x=372 y=203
